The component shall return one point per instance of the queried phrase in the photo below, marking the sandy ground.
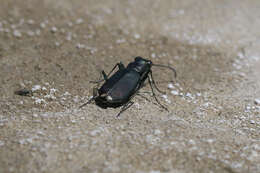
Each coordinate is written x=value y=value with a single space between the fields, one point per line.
x=56 y=47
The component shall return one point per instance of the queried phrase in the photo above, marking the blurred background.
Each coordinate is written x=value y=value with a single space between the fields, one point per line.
x=54 y=48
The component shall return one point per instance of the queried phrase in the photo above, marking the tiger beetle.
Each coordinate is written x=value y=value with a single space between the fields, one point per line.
x=119 y=89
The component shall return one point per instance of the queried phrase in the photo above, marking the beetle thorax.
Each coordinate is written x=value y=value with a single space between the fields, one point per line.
x=140 y=65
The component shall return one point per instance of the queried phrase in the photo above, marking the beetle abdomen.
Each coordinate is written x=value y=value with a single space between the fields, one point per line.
x=106 y=87
x=125 y=87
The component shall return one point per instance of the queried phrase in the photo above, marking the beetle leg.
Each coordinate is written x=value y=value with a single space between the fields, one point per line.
x=120 y=67
x=145 y=92
x=162 y=92
x=139 y=94
x=105 y=76
x=150 y=82
x=87 y=102
x=125 y=107
x=95 y=92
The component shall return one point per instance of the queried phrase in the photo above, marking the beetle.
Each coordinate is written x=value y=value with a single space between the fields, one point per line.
x=119 y=89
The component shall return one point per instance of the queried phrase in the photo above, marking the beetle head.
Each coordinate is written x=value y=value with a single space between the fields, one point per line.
x=142 y=65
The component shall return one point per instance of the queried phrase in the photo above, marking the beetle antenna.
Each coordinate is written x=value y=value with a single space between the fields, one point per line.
x=166 y=66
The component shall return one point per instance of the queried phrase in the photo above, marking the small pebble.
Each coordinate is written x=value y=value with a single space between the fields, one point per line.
x=252 y=122
x=198 y=94
x=170 y=86
x=54 y=29
x=6 y=30
x=164 y=96
x=66 y=93
x=94 y=133
x=2 y=143
x=39 y=101
x=79 y=21
x=210 y=141
x=38 y=32
x=36 y=87
x=30 y=33
x=70 y=24
x=70 y=157
x=17 y=33
x=62 y=30
x=42 y=25
x=12 y=26
x=188 y=95
x=137 y=36
x=80 y=46
x=120 y=41
x=257 y=101
x=21 y=22
x=157 y=132
x=30 y=22
x=174 y=92
x=69 y=37
x=57 y=44
x=53 y=90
